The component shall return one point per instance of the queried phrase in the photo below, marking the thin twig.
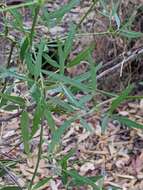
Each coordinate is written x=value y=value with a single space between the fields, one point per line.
x=87 y=13
x=133 y=55
x=38 y=159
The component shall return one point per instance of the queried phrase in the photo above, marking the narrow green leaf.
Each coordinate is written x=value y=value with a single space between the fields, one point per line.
x=2 y=172
x=80 y=57
x=35 y=92
x=62 y=104
x=24 y=47
x=29 y=63
x=86 y=98
x=71 y=97
x=52 y=18
x=69 y=41
x=37 y=118
x=50 y=60
x=38 y=62
x=83 y=77
x=56 y=138
x=93 y=71
x=64 y=164
x=86 y=125
x=10 y=188
x=61 y=58
x=67 y=80
x=25 y=130
x=104 y=123
x=115 y=14
x=117 y=19
x=78 y=183
x=82 y=180
x=15 y=99
x=126 y=121
x=117 y=101
x=17 y=20
x=130 y=34
x=65 y=9
x=50 y=120
x=41 y=183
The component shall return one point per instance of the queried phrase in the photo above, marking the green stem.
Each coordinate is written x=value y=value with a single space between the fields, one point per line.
x=87 y=13
x=38 y=159
x=37 y=9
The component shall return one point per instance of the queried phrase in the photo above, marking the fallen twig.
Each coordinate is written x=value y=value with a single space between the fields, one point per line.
x=129 y=56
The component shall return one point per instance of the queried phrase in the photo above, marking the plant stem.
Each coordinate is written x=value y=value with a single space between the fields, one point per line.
x=38 y=159
x=37 y=9
x=87 y=13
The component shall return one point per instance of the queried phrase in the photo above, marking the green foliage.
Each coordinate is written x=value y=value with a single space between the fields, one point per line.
x=56 y=138
x=10 y=188
x=41 y=183
x=53 y=18
x=79 y=180
x=25 y=130
x=127 y=122
x=51 y=90
x=122 y=97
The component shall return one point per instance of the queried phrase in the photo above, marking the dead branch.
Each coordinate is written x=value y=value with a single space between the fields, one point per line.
x=129 y=56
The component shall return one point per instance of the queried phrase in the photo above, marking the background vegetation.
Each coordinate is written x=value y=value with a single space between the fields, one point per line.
x=44 y=70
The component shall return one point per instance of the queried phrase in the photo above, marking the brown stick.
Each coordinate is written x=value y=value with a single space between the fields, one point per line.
x=131 y=55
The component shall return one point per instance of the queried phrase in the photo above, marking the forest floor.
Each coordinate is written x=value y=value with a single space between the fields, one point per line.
x=116 y=154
